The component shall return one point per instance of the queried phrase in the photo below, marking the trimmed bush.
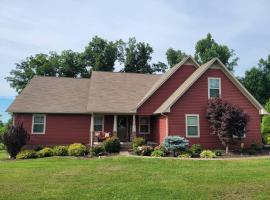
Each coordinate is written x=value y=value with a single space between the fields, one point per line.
x=137 y=141
x=144 y=150
x=77 y=149
x=97 y=150
x=112 y=145
x=266 y=139
x=158 y=153
x=219 y=152
x=46 y=152
x=60 y=151
x=195 y=150
x=185 y=154
x=207 y=154
x=175 y=144
x=26 y=154
x=38 y=148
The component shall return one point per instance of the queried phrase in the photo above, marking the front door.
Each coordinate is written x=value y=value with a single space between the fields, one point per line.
x=123 y=128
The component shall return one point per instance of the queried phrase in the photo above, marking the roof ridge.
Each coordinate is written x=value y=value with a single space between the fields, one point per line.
x=61 y=77
x=133 y=73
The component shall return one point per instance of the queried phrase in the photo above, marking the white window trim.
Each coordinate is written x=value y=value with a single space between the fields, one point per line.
x=102 y=122
x=193 y=115
x=144 y=133
x=209 y=78
x=44 y=128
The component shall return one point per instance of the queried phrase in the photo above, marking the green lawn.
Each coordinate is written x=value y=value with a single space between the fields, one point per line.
x=133 y=178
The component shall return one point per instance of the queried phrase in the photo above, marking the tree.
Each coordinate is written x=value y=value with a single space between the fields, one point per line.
x=136 y=57
x=15 y=139
x=101 y=54
x=257 y=80
x=227 y=121
x=40 y=64
x=71 y=64
x=174 y=56
x=207 y=48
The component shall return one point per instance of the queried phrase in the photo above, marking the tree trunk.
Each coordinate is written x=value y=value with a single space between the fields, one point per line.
x=227 y=150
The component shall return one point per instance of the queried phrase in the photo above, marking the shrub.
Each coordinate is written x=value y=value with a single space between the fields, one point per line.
x=207 y=154
x=195 y=150
x=266 y=139
x=60 y=151
x=26 y=154
x=2 y=146
x=158 y=153
x=219 y=152
x=137 y=141
x=175 y=144
x=161 y=148
x=112 y=145
x=46 y=152
x=98 y=150
x=76 y=149
x=185 y=154
x=144 y=150
x=15 y=139
x=38 y=148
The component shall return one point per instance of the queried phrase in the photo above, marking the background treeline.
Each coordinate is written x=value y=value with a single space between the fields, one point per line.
x=133 y=56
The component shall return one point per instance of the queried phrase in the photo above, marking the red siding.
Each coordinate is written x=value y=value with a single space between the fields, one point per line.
x=166 y=90
x=60 y=129
x=194 y=101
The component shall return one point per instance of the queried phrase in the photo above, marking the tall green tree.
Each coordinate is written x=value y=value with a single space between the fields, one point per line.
x=174 y=56
x=72 y=64
x=40 y=64
x=257 y=80
x=100 y=54
x=136 y=57
x=207 y=48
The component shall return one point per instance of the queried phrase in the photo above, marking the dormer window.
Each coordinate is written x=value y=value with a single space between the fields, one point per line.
x=214 y=87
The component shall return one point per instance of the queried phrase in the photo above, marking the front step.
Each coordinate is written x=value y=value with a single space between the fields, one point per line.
x=126 y=146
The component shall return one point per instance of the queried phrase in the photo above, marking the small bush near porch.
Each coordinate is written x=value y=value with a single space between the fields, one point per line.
x=133 y=178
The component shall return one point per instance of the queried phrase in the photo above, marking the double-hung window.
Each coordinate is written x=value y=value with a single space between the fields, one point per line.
x=38 y=124
x=144 y=125
x=192 y=125
x=98 y=122
x=214 y=87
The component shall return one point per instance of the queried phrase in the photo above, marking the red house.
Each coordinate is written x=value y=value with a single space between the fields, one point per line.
x=67 y=110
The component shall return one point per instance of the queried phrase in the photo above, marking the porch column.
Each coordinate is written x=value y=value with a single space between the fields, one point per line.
x=134 y=126
x=115 y=125
x=92 y=131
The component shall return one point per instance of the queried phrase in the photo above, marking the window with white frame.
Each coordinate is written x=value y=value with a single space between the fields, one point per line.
x=214 y=87
x=98 y=122
x=192 y=125
x=38 y=124
x=144 y=125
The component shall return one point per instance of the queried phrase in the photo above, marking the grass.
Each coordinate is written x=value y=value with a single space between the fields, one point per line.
x=133 y=178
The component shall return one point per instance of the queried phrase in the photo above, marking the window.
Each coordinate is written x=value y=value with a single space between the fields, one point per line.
x=38 y=124
x=144 y=125
x=214 y=89
x=192 y=126
x=98 y=123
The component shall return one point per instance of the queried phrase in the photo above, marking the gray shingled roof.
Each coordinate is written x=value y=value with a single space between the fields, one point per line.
x=52 y=95
x=118 y=92
x=104 y=92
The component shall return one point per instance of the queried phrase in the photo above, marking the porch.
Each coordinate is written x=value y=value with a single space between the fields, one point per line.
x=125 y=127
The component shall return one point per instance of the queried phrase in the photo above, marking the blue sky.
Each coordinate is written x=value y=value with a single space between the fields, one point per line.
x=35 y=26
